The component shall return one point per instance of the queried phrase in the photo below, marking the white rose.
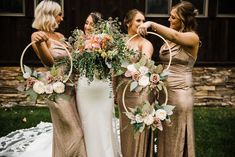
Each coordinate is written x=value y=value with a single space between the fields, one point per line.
x=49 y=89
x=131 y=68
x=148 y=120
x=58 y=87
x=144 y=81
x=39 y=87
x=143 y=70
x=138 y=118
x=161 y=114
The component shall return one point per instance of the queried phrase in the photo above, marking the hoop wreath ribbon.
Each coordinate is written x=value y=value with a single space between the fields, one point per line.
x=168 y=66
x=70 y=57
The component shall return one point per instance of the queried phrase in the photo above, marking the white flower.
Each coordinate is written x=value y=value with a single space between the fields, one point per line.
x=58 y=87
x=39 y=87
x=144 y=81
x=131 y=68
x=130 y=115
x=161 y=114
x=148 y=120
x=49 y=89
x=138 y=118
x=143 y=70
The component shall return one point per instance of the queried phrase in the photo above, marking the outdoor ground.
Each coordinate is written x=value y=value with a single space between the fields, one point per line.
x=214 y=127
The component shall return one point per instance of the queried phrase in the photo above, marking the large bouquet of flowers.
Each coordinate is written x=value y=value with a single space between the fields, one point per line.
x=101 y=53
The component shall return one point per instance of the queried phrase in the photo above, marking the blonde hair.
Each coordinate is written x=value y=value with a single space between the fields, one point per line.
x=44 y=16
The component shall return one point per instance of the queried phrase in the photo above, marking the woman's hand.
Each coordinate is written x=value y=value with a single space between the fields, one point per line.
x=142 y=29
x=39 y=36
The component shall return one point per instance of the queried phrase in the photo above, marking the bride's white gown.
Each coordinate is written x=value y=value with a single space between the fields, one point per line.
x=95 y=104
x=31 y=142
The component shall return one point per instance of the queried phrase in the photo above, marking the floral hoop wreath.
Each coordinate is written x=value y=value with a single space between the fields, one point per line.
x=168 y=66
x=70 y=57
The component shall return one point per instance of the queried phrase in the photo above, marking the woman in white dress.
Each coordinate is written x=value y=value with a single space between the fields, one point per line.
x=95 y=104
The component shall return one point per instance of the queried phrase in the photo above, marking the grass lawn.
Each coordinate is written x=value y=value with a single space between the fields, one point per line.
x=215 y=131
x=214 y=127
x=15 y=118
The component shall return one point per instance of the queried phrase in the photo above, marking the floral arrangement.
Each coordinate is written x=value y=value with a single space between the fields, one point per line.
x=149 y=116
x=101 y=53
x=46 y=85
x=144 y=74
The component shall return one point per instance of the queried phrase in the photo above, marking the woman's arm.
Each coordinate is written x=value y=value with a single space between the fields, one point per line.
x=41 y=47
x=189 y=39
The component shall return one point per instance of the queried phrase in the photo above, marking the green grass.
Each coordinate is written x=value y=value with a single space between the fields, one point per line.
x=214 y=127
x=215 y=131
x=12 y=119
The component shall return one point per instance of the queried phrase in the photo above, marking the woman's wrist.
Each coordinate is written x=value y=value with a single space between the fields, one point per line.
x=154 y=26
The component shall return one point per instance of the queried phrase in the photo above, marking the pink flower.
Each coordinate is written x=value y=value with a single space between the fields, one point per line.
x=128 y=73
x=30 y=81
x=154 y=78
x=135 y=75
x=157 y=123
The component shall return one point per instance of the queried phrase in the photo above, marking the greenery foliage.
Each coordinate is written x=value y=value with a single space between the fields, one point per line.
x=101 y=53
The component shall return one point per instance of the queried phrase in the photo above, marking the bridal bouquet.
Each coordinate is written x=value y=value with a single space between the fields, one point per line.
x=46 y=85
x=149 y=116
x=101 y=53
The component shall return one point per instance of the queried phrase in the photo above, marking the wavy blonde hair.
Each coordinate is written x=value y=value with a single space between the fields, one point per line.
x=44 y=16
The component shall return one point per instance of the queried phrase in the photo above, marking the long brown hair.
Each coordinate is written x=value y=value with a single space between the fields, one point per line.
x=130 y=16
x=186 y=12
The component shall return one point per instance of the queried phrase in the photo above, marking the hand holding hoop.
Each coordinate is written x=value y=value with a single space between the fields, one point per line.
x=70 y=57
x=168 y=66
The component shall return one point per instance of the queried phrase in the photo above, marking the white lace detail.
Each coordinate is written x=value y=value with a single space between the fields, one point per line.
x=18 y=141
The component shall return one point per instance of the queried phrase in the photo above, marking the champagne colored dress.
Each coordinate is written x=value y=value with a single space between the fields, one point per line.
x=178 y=139
x=68 y=138
x=133 y=145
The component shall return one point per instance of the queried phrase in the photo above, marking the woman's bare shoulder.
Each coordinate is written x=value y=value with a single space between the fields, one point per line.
x=60 y=35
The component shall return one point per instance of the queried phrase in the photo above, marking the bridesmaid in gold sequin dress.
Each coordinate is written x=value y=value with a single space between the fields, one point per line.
x=178 y=140
x=139 y=145
x=68 y=139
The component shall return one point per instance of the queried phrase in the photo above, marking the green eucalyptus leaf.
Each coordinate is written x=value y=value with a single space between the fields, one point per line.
x=133 y=85
x=27 y=69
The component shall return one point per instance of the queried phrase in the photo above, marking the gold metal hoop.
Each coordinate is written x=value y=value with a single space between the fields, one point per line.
x=70 y=57
x=168 y=66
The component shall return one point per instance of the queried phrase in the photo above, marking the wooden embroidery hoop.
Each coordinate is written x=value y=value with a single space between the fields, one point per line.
x=168 y=66
x=69 y=55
